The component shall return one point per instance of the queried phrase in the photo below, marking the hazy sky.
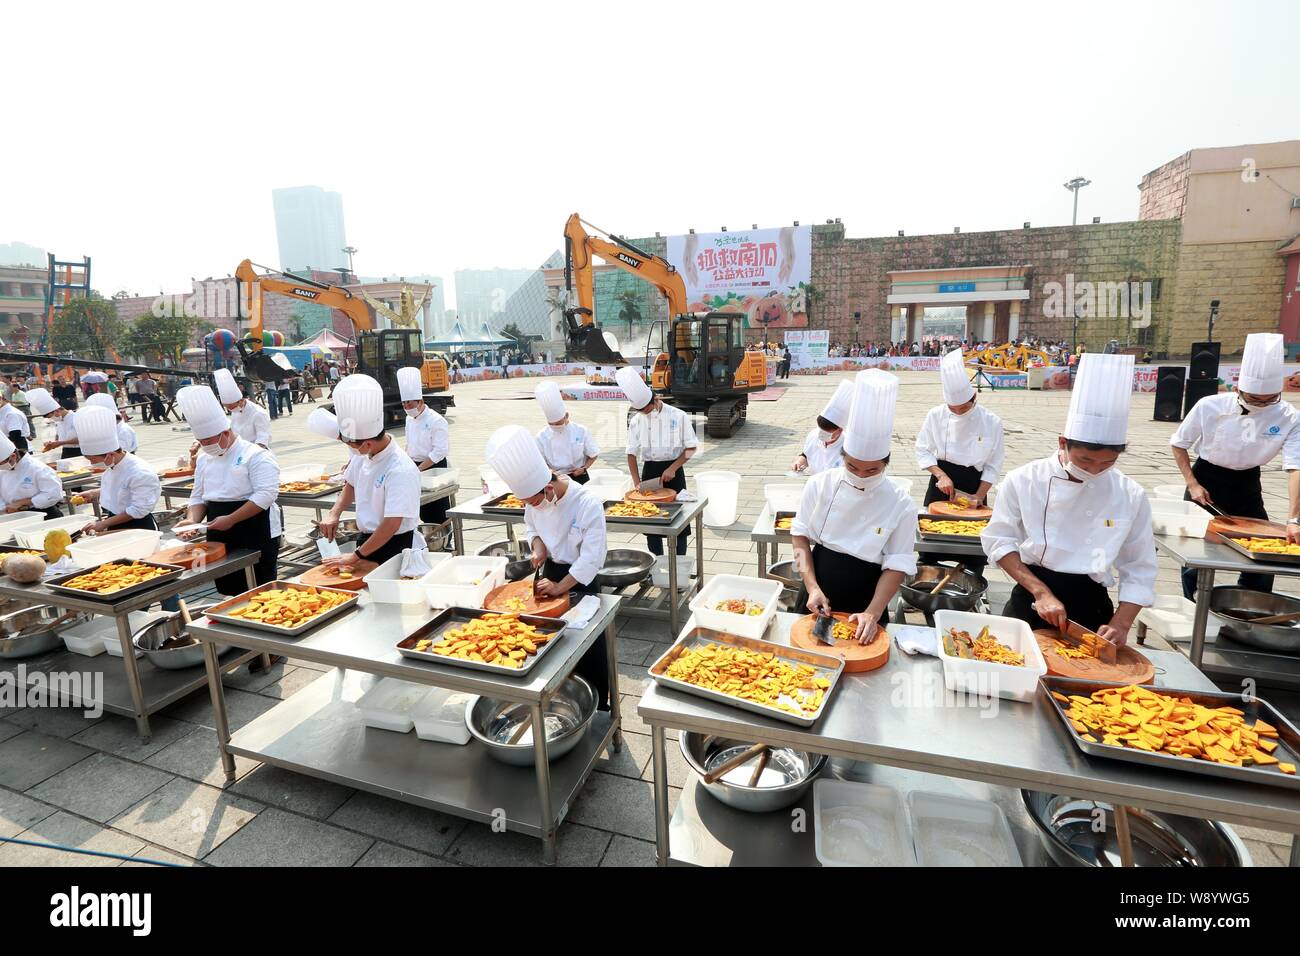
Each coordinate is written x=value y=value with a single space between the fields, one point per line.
x=462 y=135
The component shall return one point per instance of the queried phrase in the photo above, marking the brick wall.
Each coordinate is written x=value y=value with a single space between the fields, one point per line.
x=1246 y=278
x=1163 y=191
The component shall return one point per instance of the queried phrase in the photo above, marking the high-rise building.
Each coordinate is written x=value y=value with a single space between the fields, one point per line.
x=21 y=254
x=481 y=294
x=309 y=228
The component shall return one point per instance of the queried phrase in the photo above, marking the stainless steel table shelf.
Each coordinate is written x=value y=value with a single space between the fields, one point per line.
x=324 y=502
x=317 y=732
x=670 y=603
x=901 y=716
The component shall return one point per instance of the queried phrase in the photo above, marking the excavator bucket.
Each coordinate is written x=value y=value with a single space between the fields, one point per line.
x=259 y=366
x=595 y=346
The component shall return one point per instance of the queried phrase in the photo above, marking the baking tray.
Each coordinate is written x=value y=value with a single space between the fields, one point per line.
x=220 y=612
x=1288 y=744
x=826 y=666
x=949 y=538
x=1260 y=557
x=180 y=485
x=80 y=476
x=14 y=549
x=671 y=507
x=173 y=572
x=455 y=616
x=329 y=489
x=783 y=532
x=493 y=507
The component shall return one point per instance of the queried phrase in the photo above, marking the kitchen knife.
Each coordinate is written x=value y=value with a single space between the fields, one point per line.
x=1214 y=509
x=537 y=574
x=1098 y=646
x=651 y=484
x=823 y=629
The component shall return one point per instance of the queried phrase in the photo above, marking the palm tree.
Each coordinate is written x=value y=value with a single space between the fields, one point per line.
x=629 y=308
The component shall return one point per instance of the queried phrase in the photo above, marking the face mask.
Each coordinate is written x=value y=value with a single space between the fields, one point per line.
x=1251 y=409
x=215 y=450
x=7 y=466
x=826 y=437
x=1075 y=472
x=545 y=504
x=863 y=484
x=560 y=427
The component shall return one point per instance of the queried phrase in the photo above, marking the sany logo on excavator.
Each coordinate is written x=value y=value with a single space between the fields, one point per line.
x=305 y=293
x=634 y=263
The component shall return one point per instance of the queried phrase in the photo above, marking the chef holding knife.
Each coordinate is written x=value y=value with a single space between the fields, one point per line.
x=854 y=535
x=130 y=489
x=1066 y=527
x=569 y=449
x=661 y=438
x=428 y=438
x=27 y=483
x=823 y=446
x=43 y=403
x=1235 y=435
x=565 y=524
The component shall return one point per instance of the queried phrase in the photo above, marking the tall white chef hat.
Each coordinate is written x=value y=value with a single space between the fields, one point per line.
x=634 y=387
x=359 y=407
x=1103 y=390
x=1261 y=364
x=6 y=448
x=550 y=401
x=322 y=422
x=513 y=454
x=41 y=401
x=227 y=387
x=97 y=431
x=409 y=384
x=201 y=409
x=957 y=389
x=102 y=400
x=841 y=403
x=871 y=422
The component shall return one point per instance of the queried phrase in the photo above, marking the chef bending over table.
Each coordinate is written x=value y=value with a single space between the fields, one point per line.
x=661 y=439
x=130 y=489
x=823 y=445
x=1066 y=527
x=27 y=483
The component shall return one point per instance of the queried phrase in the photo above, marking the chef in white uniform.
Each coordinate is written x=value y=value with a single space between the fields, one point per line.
x=1067 y=527
x=428 y=438
x=661 y=438
x=565 y=525
x=824 y=445
x=130 y=489
x=569 y=449
x=854 y=534
x=1234 y=436
x=13 y=422
x=44 y=404
x=381 y=479
x=248 y=419
x=27 y=483
x=236 y=483
x=125 y=433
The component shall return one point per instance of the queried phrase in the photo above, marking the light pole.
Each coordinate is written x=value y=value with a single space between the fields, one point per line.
x=351 y=251
x=1074 y=185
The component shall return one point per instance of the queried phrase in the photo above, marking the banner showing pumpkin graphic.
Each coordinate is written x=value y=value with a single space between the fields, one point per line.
x=762 y=274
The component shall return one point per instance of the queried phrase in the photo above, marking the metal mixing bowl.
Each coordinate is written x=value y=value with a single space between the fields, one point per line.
x=625 y=566
x=568 y=715
x=962 y=593
x=150 y=638
x=784 y=571
x=29 y=630
x=519 y=564
x=788 y=773
x=1230 y=604
x=1069 y=831
x=436 y=535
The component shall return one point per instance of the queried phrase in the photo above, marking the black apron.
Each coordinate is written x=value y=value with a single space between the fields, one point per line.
x=254 y=534
x=965 y=478
x=1086 y=601
x=52 y=512
x=71 y=451
x=395 y=545
x=653 y=469
x=581 y=479
x=145 y=524
x=434 y=512
x=594 y=665
x=1234 y=492
x=849 y=583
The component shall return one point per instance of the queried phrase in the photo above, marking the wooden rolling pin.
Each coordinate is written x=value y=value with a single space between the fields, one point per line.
x=945 y=579
x=740 y=758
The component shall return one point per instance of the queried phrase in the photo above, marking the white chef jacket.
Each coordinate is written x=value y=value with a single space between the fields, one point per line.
x=65 y=429
x=130 y=487
x=386 y=486
x=1101 y=528
x=660 y=436
x=877 y=525
x=427 y=437
x=1226 y=437
x=567 y=448
x=821 y=456
x=13 y=420
x=127 y=439
x=252 y=423
x=974 y=440
x=31 y=478
x=247 y=472
x=573 y=530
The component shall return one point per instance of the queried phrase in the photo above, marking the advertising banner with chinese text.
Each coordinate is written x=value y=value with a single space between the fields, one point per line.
x=762 y=274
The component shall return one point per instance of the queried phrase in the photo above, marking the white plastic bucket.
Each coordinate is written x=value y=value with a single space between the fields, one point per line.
x=722 y=489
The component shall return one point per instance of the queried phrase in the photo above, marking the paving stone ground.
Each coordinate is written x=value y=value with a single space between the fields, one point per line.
x=93 y=785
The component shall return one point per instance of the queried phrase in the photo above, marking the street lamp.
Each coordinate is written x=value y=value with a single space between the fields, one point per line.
x=351 y=251
x=1074 y=185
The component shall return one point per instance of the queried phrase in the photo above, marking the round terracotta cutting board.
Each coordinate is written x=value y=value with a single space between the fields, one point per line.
x=324 y=576
x=1130 y=667
x=858 y=658
x=187 y=555
x=662 y=496
x=498 y=600
x=948 y=510
x=1246 y=528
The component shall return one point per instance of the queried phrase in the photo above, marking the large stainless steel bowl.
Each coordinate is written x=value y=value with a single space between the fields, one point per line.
x=150 y=638
x=437 y=535
x=625 y=566
x=27 y=631
x=788 y=773
x=962 y=593
x=1068 y=827
x=1231 y=606
x=519 y=564
x=568 y=715
x=785 y=572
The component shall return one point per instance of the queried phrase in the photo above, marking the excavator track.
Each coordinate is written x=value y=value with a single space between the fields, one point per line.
x=725 y=416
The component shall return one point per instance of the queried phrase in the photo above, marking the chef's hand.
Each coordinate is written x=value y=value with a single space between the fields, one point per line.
x=187 y=534
x=669 y=474
x=800 y=463
x=224 y=523
x=50 y=446
x=1116 y=631
x=1052 y=611
x=551 y=589
x=194 y=448
x=343 y=560
x=944 y=484
x=539 y=555
x=1293 y=533
x=578 y=472
x=329 y=526
x=817 y=603
x=88 y=497
x=18 y=506
x=1199 y=493
x=866 y=625
x=96 y=527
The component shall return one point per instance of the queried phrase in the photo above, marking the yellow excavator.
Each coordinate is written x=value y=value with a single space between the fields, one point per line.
x=380 y=353
x=706 y=367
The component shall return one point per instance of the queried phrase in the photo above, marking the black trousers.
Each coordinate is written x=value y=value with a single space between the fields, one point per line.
x=434 y=512
x=653 y=469
x=594 y=665
x=145 y=524
x=849 y=583
x=965 y=478
x=1086 y=601
x=255 y=534
x=1236 y=493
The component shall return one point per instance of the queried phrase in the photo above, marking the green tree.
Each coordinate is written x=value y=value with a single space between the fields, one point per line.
x=629 y=308
x=87 y=327
x=512 y=331
x=152 y=338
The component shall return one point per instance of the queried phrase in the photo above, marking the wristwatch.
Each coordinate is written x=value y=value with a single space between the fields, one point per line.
x=1293 y=520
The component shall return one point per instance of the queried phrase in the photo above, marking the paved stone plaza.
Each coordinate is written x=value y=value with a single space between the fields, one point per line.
x=92 y=784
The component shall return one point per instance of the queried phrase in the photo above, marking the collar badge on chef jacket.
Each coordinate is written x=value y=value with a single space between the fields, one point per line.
x=1275 y=429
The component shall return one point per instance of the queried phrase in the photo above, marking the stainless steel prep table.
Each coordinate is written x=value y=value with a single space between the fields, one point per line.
x=320 y=732
x=637 y=605
x=1021 y=745
x=130 y=689
x=1222 y=657
x=319 y=505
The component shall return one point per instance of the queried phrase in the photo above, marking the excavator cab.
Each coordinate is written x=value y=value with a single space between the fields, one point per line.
x=705 y=353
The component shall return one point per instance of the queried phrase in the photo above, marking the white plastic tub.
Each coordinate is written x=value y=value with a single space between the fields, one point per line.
x=19 y=519
x=685 y=568
x=87 y=645
x=133 y=543
x=440 y=716
x=725 y=587
x=72 y=464
x=434 y=478
x=860 y=824
x=1172 y=617
x=463 y=581
x=387 y=587
x=491 y=482
x=722 y=489
x=388 y=705
x=783 y=496
x=959 y=831
x=984 y=677
x=1183 y=519
x=33 y=535
x=904 y=483
x=1171 y=492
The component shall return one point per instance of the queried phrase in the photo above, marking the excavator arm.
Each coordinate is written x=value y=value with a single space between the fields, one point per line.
x=584 y=335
